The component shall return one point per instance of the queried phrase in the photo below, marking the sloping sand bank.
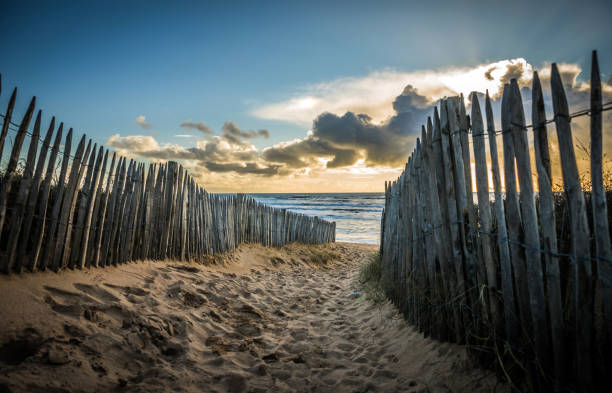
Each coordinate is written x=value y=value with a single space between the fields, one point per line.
x=258 y=320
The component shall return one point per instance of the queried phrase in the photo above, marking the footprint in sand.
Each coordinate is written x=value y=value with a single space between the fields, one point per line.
x=96 y=292
x=75 y=298
x=346 y=347
x=71 y=310
x=127 y=290
x=193 y=300
x=182 y=327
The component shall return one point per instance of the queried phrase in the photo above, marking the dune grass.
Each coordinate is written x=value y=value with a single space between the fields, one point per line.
x=371 y=279
x=323 y=256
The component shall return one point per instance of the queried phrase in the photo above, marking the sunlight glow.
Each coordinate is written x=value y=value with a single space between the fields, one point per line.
x=303 y=103
x=374 y=93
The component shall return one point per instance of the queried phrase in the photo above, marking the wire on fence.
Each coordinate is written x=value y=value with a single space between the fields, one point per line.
x=584 y=112
x=428 y=233
x=15 y=128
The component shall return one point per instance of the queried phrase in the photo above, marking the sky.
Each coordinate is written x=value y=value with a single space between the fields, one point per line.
x=283 y=96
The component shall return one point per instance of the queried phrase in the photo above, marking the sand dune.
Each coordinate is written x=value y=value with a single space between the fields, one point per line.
x=256 y=320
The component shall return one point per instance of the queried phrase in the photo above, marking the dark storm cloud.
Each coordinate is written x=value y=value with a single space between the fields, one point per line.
x=513 y=71
x=349 y=137
x=410 y=101
x=302 y=153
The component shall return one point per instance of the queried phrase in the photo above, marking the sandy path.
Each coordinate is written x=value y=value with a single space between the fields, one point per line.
x=268 y=320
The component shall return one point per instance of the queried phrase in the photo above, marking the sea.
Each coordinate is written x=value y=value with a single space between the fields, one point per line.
x=357 y=215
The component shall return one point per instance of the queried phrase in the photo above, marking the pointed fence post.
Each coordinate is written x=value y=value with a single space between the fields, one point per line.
x=484 y=208
x=7 y=120
x=66 y=223
x=81 y=252
x=548 y=237
x=601 y=230
x=46 y=256
x=581 y=255
x=10 y=173
x=33 y=196
x=535 y=278
x=94 y=258
x=83 y=200
x=513 y=219
x=511 y=319
x=22 y=197
x=452 y=223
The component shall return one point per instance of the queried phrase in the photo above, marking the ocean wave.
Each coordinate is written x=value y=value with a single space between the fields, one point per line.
x=357 y=215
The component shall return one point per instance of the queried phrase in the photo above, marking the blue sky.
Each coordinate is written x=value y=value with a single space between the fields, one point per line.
x=99 y=65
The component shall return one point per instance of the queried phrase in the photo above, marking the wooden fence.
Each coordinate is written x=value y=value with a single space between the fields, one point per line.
x=103 y=209
x=495 y=275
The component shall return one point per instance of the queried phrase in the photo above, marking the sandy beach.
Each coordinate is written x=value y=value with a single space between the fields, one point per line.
x=260 y=319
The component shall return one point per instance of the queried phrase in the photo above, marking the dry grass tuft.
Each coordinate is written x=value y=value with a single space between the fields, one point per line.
x=323 y=256
x=371 y=279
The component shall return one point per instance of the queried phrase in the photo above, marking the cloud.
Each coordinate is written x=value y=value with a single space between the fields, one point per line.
x=215 y=155
x=488 y=75
x=515 y=71
x=306 y=152
x=577 y=92
x=232 y=133
x=142 y=121
x=221 y=150
x=374 y=93
x=243 y=168
x=229 y=131
x=216 y=149
x=346 y=139
x=366 y=143
x=201 y=126
x=132 y=143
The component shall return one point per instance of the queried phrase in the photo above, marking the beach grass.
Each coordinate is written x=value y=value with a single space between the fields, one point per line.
x=323 y=256
x=371 y=279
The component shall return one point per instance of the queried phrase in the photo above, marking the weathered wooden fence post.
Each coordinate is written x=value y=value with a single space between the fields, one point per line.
x=583 y=282
x=484 y=208
x=548 y=227
x=511 y=319
x=601 y=230
x=22 y=197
